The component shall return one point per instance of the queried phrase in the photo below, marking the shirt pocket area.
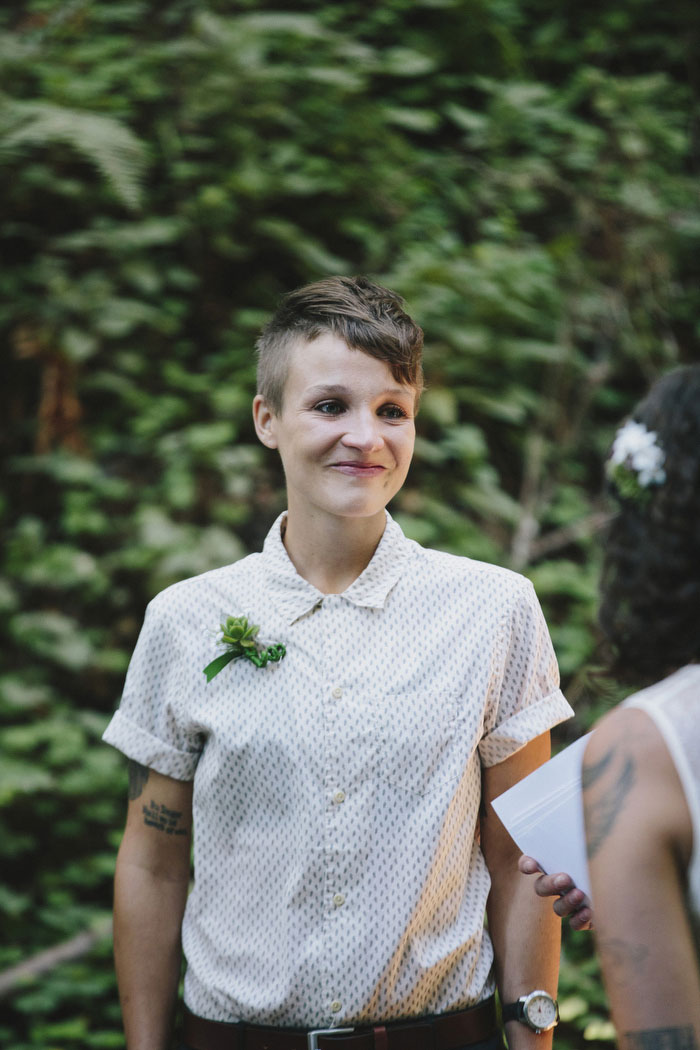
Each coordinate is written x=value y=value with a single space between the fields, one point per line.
x=418 y=740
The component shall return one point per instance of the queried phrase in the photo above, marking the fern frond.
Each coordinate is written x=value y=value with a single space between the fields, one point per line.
x=105 y=142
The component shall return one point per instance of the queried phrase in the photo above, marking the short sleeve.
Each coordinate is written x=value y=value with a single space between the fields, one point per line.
x=149 y=726
x=525 y=699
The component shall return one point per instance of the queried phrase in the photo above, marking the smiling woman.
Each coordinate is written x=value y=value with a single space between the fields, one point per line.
x=345 y=435
x=345 y=849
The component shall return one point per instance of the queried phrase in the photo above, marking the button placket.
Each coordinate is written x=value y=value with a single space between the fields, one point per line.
x=334 y=900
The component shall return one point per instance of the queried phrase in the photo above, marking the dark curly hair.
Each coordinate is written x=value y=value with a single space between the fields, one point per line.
x=650 y=585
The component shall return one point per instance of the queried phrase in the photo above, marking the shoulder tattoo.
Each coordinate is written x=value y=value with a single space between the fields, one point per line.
x=594 y=771
x=616 y=775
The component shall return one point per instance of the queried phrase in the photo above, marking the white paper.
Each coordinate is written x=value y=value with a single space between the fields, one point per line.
x=544 y=815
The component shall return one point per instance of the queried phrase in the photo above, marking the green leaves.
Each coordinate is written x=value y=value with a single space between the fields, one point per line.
x=168 y=171
x=114 y=150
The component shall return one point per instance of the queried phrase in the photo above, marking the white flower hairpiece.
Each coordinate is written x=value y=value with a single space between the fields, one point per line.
x=636 y=461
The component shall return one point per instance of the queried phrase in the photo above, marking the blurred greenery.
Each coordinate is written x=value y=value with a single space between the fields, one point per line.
x=524 y=172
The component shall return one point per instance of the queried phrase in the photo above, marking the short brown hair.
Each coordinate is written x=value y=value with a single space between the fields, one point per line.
x=363 y=314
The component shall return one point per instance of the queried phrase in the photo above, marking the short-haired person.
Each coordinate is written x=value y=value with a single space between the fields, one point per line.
x=641 y=773
x=339 y=781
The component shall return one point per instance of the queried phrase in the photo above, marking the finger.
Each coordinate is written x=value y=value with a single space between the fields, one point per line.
x=554 y=885
x=582 y=919
x=570 y=903
x=528 y=865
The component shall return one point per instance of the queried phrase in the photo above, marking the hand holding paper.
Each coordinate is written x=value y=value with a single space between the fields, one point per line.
x=543 y=813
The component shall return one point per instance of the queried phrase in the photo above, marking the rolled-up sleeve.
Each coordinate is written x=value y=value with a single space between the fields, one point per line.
x=525 y=698
x=150 y=725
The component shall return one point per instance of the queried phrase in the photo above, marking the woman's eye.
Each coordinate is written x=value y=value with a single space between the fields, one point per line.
x=393 y=412
x=329 y=408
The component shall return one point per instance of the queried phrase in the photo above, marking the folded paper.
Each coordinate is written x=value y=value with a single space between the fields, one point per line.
x=544 y=815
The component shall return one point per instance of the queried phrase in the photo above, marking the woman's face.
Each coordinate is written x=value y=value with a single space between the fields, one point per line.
x=345 y=433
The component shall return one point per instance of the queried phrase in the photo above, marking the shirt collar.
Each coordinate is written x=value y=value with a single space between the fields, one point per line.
x=294 y=596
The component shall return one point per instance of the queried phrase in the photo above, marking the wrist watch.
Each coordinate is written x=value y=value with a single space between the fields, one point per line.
x=536 y=1009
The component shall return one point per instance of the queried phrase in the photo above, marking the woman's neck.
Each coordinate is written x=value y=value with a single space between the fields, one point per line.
x=331 y=555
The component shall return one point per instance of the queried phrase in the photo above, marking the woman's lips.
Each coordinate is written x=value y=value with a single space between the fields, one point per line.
x=360 y=470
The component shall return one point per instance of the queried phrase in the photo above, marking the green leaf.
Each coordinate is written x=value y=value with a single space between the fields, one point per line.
x=420 y=120
x=117 y=153
x=212 y=669
x=21 y=778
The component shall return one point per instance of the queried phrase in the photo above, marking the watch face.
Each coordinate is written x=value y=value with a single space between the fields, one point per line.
x=541 y=1010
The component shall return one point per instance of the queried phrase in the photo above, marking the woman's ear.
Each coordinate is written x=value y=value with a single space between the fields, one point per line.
x=264 y=420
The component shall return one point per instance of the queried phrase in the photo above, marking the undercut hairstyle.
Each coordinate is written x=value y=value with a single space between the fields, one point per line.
x=650 y=585
x=363 y=314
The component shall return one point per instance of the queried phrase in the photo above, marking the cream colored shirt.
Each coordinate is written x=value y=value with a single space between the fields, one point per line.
x=338 y=874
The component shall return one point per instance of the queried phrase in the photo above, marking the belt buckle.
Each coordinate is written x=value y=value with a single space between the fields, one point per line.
x=312 y=1037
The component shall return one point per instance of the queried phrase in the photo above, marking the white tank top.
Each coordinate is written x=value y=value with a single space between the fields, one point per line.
x=674 y=705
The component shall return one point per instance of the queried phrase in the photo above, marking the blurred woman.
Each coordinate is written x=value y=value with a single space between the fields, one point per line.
x=641 y=771
x=641 y=774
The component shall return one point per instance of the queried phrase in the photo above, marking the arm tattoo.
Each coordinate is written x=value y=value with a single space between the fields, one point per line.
x=660 y=1039
x=602 y=813
x=138 y=775
x=591 y=773
x=158 y=816
x=625 y=960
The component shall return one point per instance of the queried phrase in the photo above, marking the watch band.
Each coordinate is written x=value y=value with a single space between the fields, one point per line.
x=512 y=1011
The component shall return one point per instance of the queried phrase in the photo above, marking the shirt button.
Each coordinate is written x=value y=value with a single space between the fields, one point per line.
x=339 y=797
x=339 y=900
x=336 y=1006
x=337 y=693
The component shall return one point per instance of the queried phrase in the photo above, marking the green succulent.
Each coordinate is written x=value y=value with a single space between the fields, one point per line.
x=240 y=640
x=237 y=631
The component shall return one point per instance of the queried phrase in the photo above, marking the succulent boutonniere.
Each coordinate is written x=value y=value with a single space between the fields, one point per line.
x=239 y=639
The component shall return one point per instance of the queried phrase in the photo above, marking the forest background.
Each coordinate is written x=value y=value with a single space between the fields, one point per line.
x=524 y=172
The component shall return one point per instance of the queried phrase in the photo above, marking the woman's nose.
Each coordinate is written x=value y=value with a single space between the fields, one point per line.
x=363 y=432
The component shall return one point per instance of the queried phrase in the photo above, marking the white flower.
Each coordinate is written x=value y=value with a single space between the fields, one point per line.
x=636 y=448
x=630 y=439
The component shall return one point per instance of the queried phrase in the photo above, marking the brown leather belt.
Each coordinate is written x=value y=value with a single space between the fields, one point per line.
x=441 y=1032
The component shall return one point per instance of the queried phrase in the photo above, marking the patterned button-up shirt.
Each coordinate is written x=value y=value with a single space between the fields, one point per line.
x=338 y=874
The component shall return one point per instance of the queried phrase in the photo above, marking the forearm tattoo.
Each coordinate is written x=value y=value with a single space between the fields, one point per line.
x=625 y=961
x=602 y=812
x=138 y=775
x=660 y=1039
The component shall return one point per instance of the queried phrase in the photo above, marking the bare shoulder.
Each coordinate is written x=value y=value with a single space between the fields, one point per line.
x=630 y=781
x=625 y=726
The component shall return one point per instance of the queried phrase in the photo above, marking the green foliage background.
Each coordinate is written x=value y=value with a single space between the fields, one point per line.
x=523 y=171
